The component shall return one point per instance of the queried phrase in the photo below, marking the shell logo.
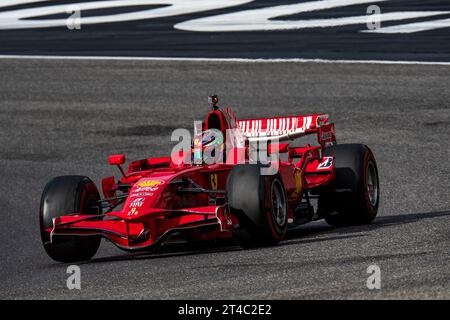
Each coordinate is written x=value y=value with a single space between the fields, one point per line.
x=149 y=183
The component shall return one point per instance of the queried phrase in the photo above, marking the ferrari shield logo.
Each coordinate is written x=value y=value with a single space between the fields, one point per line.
x=149 y=183
x=213 y=181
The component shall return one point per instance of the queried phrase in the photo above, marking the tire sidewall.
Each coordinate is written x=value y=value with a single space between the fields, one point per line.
x=275 y=231
x=369 y=209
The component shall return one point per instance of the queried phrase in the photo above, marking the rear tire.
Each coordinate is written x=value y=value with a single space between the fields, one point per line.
x=63 y=196
x=259 y=203
x=353 y=197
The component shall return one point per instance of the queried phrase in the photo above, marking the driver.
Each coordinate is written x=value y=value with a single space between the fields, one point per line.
x=212 y=147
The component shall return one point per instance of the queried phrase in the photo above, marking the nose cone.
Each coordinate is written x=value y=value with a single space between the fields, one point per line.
x=143 y=196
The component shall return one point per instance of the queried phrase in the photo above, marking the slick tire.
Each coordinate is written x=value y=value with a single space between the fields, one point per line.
x=260 y=204
x=354 y=196
x=62 y=196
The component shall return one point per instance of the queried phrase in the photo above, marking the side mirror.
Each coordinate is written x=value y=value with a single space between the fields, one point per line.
x=116 y=159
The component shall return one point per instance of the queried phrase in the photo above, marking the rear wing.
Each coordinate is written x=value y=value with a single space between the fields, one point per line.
x=289 y=128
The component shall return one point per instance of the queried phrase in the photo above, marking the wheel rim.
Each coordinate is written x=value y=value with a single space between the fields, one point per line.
x=372 y=183
x=279 y=212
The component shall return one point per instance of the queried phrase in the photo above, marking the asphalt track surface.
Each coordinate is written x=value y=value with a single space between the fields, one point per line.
x=65 y=117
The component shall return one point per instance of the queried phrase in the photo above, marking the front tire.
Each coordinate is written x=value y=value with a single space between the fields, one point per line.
x=353 y=198
x=66 y=195
x=260 y=204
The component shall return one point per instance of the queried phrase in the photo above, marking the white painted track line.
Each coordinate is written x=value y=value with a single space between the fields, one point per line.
x=296 y=60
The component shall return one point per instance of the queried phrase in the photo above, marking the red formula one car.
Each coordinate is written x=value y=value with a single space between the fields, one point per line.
x=158 y=200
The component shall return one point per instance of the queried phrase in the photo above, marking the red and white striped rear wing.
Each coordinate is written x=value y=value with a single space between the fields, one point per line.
x=286 y=128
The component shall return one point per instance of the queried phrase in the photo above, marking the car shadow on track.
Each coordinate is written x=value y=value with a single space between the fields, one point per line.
x=323 y=232
x=393 y=220
x=175 y=250
x=307 y=233
x=321 y=228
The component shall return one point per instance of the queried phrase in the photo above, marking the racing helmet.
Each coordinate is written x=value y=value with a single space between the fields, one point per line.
x=212 y=147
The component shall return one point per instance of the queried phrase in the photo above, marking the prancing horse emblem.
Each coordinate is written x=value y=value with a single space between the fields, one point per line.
x=214 y=181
